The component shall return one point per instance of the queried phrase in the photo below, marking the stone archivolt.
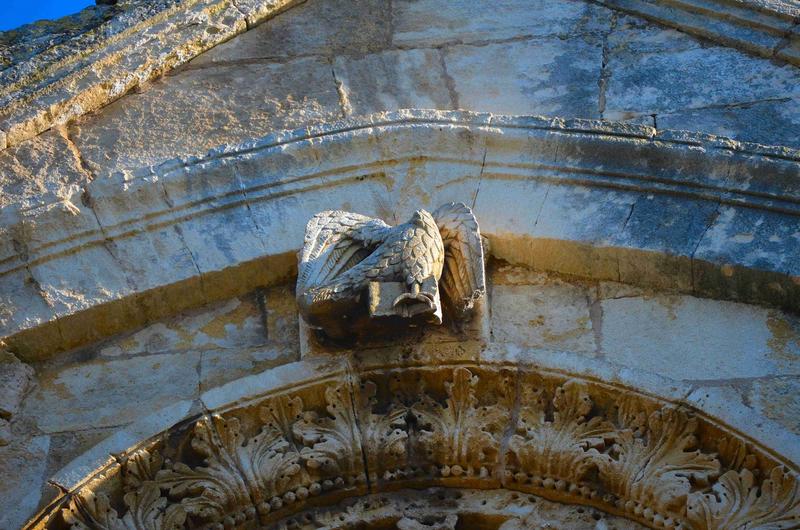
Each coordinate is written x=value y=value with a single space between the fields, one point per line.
x=564 y=439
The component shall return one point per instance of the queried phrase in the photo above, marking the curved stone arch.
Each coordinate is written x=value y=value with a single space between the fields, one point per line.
x=291 y=444
x=682 y=211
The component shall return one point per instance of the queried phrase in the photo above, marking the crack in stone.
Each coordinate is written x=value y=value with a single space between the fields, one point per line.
x=480 y=176
x=449 y=82
x=605 y=72
x=712 y=220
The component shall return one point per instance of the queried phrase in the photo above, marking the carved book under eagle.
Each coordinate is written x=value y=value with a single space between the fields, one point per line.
x=355 y=271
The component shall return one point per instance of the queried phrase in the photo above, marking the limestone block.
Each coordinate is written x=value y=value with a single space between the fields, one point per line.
x=80 y=79
x=99 y=393
x=634 y=35
x=752 y=240
x=586 y=217
x=432 y=22
x=326 y=27
x=395 y=79
x=224 y=104
x=257 y=11
x=655 y=83
x=661 y=231
x=779 y=400
x=23 y=309
x=228 y=325
x=88 y=458
x=683 y=337
x=728 y=403
x=218 y=367
x=768 y=122
x=15 y=377
x=40 y=170
x=25 y=461
x=534 y=311
x=548 y=76
x=244 y=389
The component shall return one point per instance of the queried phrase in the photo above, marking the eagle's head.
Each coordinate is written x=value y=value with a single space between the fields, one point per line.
x=422 y=218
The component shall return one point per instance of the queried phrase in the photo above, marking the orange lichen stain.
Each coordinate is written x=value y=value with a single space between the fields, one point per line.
x=670 y=303
x=780 y=403
x=784 y=338
x=538 y=321
x=129 y=344
x=582 y=327
x=237 y=317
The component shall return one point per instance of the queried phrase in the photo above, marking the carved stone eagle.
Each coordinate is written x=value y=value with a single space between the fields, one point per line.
x=354 y=267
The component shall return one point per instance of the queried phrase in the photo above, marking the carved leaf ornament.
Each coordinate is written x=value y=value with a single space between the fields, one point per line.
x=565 y=440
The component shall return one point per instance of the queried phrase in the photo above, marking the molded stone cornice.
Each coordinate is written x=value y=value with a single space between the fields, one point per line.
x=681 y=211
x=277 y=455
x=94 y=68
x=764 y=27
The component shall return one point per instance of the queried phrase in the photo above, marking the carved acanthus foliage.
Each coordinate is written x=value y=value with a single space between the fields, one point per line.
x=458 y=437
x=654 y=459
x=564 y=448
x=147 y=508
x=295 y=453
x=572 y=441
x=384 y=434
x=460 y=432
x=736 y=501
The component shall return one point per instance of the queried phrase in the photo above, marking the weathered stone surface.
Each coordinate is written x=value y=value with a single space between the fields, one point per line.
x=771 y=122
x=95 y=394
x=222 y=217
x=662 y=224
x=548 y=76
x=22 y=464
x=231 y=324
x=433 y=22
x=635 y=36
x=5 y=432
x=533 y=310
x=395 y=79
x=641 y=82
x=278 y=342
x=779 y=400
x=324 y=27
x=683 y=337
x=15 y=377
x=224 y=104
x=40 y=170
x=729 y=402
x=87 y=451
x=741 y=241
x=754 y=26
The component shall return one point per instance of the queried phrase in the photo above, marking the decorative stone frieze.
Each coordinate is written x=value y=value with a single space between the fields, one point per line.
x=293 y=457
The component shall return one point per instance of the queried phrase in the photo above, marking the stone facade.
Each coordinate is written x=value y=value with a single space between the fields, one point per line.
x=635 y=170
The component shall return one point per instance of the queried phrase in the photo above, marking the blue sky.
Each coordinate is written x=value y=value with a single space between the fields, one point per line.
x=14 y=13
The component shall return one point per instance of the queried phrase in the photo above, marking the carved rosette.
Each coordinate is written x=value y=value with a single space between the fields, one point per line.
x=568 y=440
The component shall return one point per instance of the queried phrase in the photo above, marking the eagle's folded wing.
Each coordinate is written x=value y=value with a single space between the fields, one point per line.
x=334 y=242
x=463 y=281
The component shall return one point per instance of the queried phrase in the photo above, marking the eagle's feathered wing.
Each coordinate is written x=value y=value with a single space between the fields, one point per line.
x=463 y=281
x=335 y=241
